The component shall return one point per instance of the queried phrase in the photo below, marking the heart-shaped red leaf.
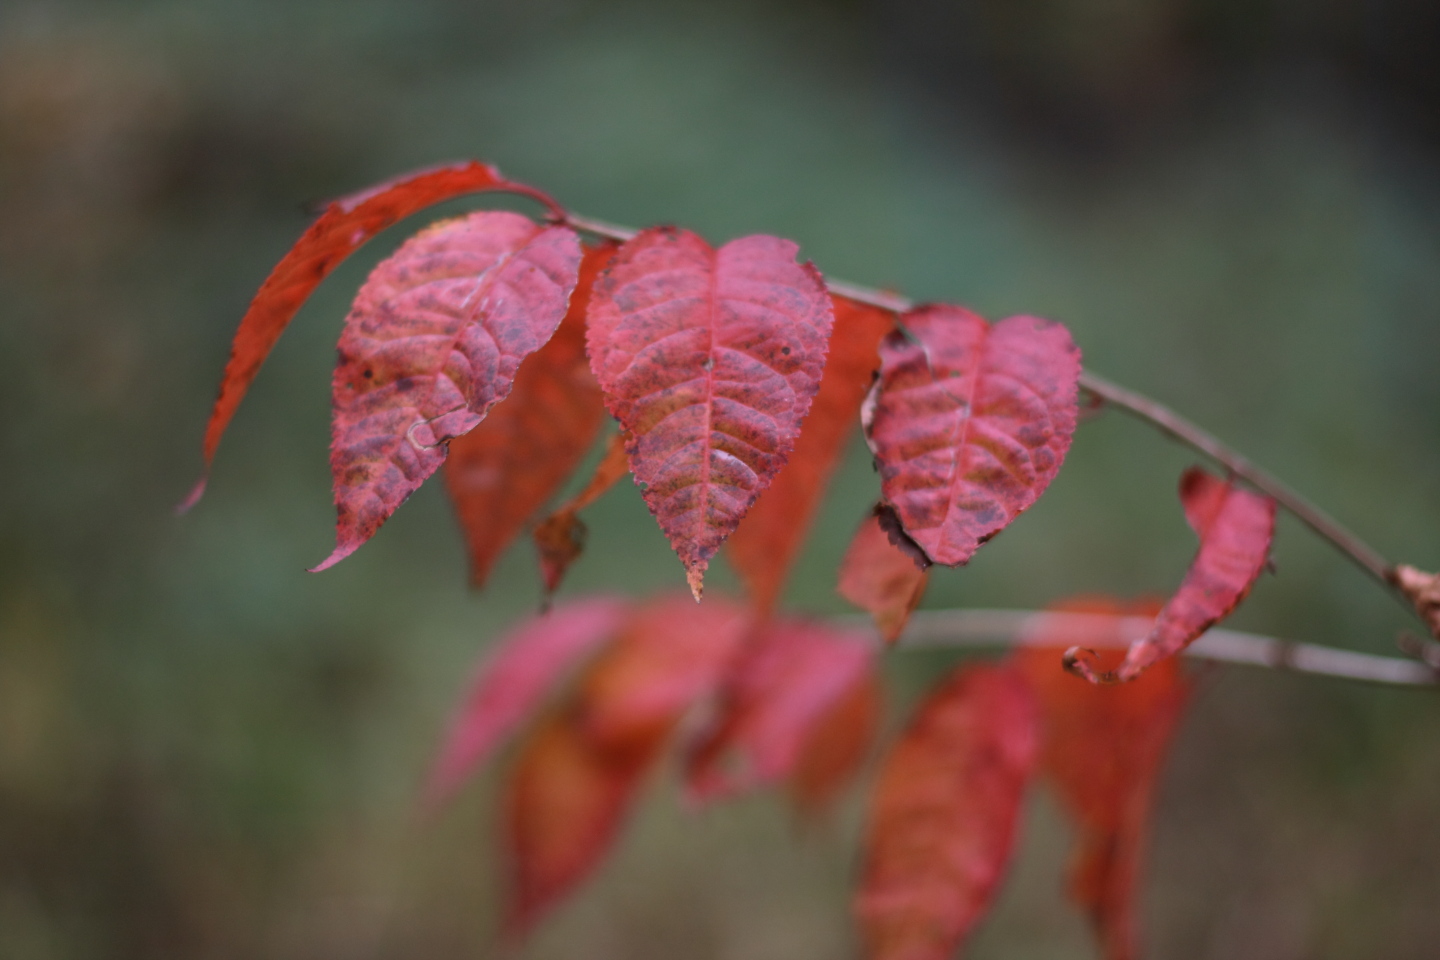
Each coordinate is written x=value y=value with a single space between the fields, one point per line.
x=505 y=469
x=882 y=578
x=1104 y=748
x=790 y=675
x=514 y=678
x=942 y=819
x=1236 y=528
x=344 y=226
x=709 y=359
x=764 y=546
x=970 y=422
x=434 y=339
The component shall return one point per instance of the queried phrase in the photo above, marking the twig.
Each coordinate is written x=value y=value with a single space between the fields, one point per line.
x=982 y=628
x=1154 y=413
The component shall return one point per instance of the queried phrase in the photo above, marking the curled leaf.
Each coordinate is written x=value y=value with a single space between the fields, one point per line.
x=1104 y=749
x=505 y=469
x=560 y=537
x=433 y=341
x=970 y=422
x=882 y=577
x=942 y=818
x=1236 y=528
x=344 y=226
x=785 y=682
x=764 y=546
x=709 y=359
x=513 y=680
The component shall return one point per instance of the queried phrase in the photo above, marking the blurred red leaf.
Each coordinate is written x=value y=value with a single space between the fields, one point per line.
x=513 y=680
x=671 y=654
x=1236 y=528
x=942 y=819
x=560 y=537
x=786 y=680
x=709 y=359
x=505 y=469
x=344 y=226
x=1104 y=747
x=433 y=341
x=578 y=773
x=970 y=423
x=765 y=544
x=882 y=578
x=836 y=746
x=565 y=801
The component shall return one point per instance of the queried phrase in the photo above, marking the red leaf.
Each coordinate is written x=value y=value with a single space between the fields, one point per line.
x=1236 y=528
x=790 y=675
x=564 y=803
x=513 y=680
x=433 y=341
x=672 y=653
x=709 y=359
x=970 y=423
x=576 y=778
x=942 y=821
x=882 y=578
x=1104 y=747
x=836 y=746
x=505 y=469
x=560 y=537
x=344 y=226
x=765 y=544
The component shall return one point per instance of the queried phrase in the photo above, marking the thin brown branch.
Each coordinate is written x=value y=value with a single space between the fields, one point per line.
x=985 y=628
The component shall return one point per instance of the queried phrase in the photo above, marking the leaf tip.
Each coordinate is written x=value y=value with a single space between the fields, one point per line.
x=1079 y=662
x=695 y=576
x=193 y=497
x=340 y=553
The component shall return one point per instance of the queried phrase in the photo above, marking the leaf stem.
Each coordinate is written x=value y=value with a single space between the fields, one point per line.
x=930 y=629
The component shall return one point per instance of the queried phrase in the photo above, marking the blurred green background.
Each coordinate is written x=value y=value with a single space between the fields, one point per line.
x=207 y=753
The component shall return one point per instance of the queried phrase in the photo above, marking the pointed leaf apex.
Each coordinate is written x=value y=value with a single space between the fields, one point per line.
x=695 y=576
x=193 y=497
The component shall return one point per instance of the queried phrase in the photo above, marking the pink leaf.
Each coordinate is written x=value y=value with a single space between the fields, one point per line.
x=513 y=680
x=345 y=225
x=1236 y=528
x=709 y=359
x=789 y=676
x=970 y=422
x=434 y=340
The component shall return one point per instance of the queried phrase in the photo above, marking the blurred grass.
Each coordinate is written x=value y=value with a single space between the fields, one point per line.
x=205 y=752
